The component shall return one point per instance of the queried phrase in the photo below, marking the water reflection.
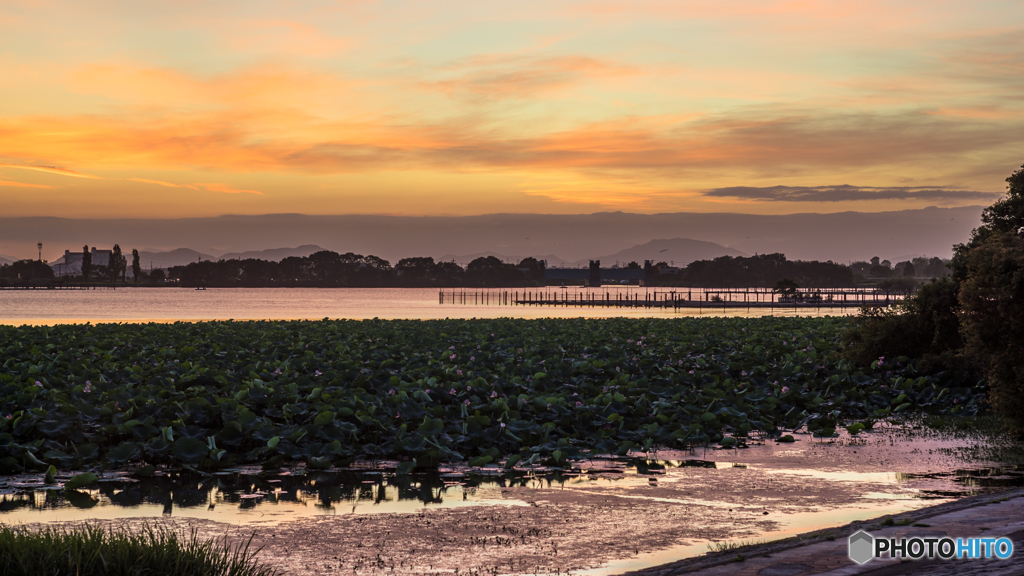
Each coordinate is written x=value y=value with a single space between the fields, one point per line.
x=248 y=497
x=172 y=304
x=238 y=496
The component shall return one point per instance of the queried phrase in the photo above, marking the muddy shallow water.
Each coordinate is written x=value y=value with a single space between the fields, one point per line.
x=605 y=516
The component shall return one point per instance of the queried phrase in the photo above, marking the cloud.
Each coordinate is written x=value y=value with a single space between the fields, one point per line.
x=210 y=187
x=215 y=187
x=848 y=193
x=518 y=76
x=52 y=170
x=161 y=183
x=22 y=184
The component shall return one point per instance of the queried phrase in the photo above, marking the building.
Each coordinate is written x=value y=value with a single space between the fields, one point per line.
x=71 y=263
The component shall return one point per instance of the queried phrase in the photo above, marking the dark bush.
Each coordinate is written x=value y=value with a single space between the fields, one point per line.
x=992 y=318
x=923 y=327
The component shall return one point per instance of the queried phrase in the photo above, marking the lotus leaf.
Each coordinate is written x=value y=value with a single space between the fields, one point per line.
x=80 y=481
x=205 y=393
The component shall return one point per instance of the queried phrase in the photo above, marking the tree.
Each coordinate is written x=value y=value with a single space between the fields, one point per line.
x=909 y=270
x=786 y=287
x=990 y=272
x=417 y=270
x=879 y=271
x=992 y=316
x=970 y=321
x=533 y=268
x=136 y=267
x=86 y=263
x=490 y=271
x=26 y=270
x=157 y=276
x=117 y=265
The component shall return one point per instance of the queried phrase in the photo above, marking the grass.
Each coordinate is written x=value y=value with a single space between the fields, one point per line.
x=93 y=551
x=727 y=546
x=890 y=521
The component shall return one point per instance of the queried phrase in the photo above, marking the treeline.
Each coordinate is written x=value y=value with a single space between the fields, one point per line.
x=25 y=270
x=330 y=269
x=916 y=268
x=968 y=325
x=763 y=270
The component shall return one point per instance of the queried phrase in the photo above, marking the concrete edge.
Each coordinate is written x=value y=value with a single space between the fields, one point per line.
x=813 y=537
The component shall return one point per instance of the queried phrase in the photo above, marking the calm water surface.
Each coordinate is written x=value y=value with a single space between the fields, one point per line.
x=173 y=304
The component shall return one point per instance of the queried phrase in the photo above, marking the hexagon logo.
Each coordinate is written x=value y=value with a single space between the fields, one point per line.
x=861 y=547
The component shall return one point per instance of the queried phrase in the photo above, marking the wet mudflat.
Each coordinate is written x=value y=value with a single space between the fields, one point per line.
x=604 y=516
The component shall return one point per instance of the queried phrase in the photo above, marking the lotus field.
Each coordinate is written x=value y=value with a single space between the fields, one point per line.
x=481 y=392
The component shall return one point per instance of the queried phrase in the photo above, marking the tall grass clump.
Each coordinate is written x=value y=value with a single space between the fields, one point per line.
x=93 y=551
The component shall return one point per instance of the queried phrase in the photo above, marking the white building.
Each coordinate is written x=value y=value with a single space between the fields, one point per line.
x=71 y=263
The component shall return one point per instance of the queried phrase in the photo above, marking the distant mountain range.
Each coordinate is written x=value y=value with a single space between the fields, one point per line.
x=840 y=236
x=274 y=254
x=5 y=259
x=675 y=252
x=179 y=257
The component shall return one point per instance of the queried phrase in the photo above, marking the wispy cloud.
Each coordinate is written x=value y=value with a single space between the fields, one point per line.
x=52 y=170
x=226 y=189
x=210 y=187
x=848 y=193
x=522 y=76
x=22 y=184
x=162 y=183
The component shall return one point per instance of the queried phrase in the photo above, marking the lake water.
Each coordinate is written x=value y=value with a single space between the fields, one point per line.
x=186 y=304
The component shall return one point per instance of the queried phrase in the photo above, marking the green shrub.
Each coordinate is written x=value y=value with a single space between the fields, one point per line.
x=923 y=327
x=990 y=272
x=92 y=551
x=993 y=319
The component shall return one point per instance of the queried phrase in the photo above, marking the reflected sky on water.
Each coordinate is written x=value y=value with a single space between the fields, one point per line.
x=174 y=304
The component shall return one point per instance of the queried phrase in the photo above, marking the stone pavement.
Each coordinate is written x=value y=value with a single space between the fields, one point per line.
x=824 y=553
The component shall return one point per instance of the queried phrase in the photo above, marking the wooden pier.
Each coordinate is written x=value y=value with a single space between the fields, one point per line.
x=54 y=287
x=676 y=298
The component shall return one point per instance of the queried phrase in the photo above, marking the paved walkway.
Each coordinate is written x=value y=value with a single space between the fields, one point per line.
x=824 y=553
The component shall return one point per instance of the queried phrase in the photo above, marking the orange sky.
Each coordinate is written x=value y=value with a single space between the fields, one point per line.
x=185 y=108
